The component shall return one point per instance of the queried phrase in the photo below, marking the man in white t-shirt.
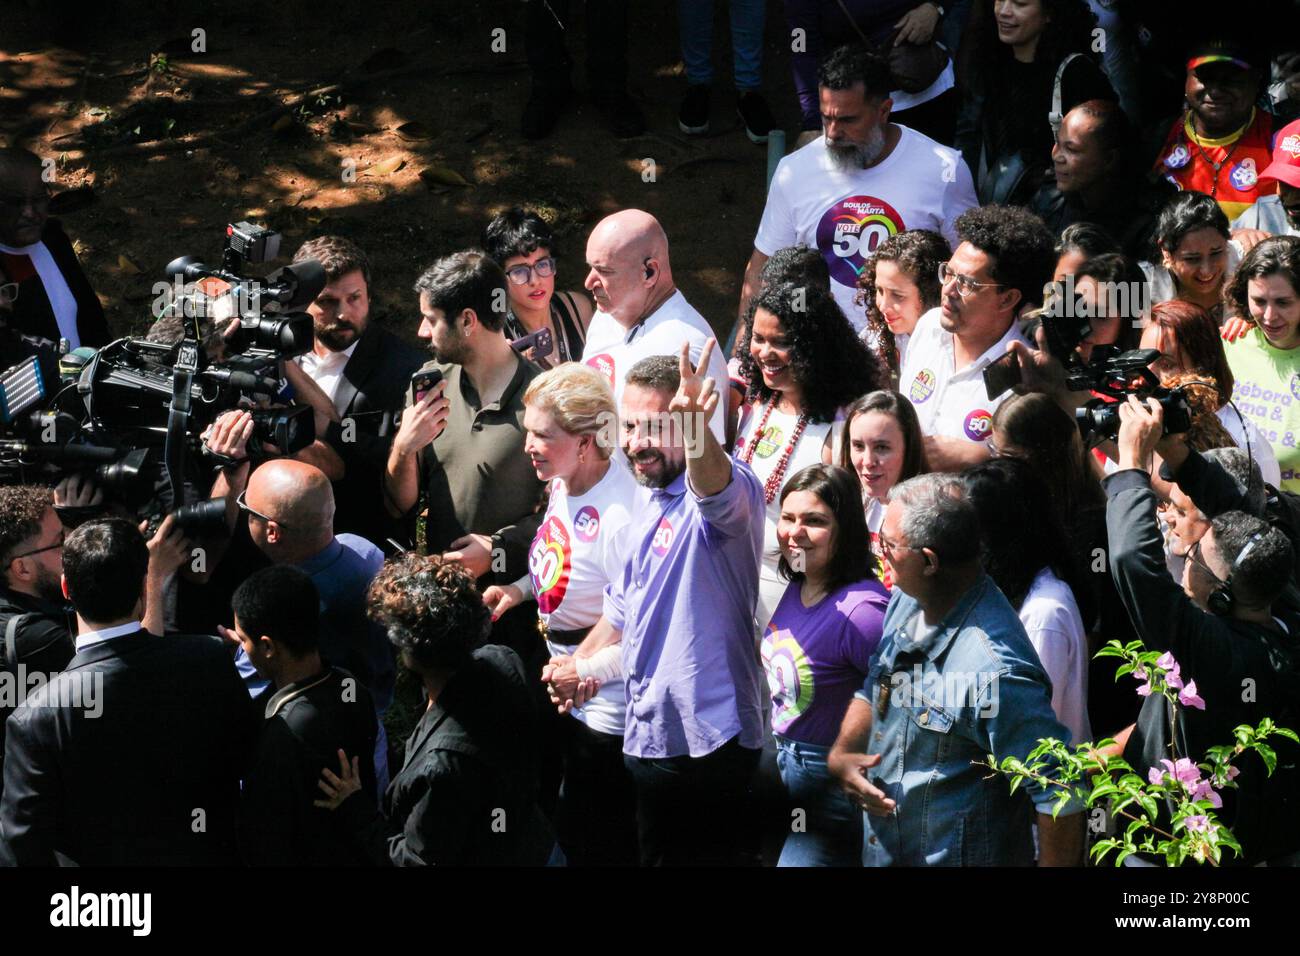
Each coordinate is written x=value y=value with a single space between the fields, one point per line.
x=639 y=311
x=1003 y=260
x=867 y=179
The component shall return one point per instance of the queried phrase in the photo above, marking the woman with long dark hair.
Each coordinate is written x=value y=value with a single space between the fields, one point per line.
x=1197 y=256
x=816 y=653
x=802 y=363
x=881 y=443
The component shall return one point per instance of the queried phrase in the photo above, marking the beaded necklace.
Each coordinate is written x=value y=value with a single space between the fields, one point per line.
x=746 y=451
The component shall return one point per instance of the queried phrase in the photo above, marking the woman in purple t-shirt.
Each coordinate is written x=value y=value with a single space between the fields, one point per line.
x=816 y=652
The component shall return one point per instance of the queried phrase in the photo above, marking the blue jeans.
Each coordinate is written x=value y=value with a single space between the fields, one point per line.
x=830 y=830
x=695 y=20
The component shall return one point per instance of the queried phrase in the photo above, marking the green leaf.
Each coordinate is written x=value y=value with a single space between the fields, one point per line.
x=1288 y=733
x=1269 y=756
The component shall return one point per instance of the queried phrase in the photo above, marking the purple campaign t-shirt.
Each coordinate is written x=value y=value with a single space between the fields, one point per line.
x=817 y=657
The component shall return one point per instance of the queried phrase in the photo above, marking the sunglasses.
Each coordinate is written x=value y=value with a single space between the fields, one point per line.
x=523 y=274
x=243 y=506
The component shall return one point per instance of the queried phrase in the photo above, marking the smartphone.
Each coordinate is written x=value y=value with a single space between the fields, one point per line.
x=421 y=383
x=1002 y=374
x=541 y=341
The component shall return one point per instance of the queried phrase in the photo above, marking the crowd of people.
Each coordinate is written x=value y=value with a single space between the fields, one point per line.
x=662 y=605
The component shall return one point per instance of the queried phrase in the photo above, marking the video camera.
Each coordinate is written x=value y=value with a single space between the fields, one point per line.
x=1117 y=375
x=131 y=413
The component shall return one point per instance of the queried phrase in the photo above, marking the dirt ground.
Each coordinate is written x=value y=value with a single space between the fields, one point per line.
x=163 y=145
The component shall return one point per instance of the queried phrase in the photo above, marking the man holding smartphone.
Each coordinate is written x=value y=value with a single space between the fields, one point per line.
x=461 y=446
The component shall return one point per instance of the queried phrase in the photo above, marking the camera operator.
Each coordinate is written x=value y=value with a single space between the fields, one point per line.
x=1226 y=631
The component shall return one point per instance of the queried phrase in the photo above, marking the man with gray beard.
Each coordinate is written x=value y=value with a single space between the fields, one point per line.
x=865 y=180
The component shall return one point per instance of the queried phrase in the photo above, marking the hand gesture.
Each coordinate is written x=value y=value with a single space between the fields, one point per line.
x=1249 y=238
x=1141 y=427
x=423 y=421
x=78 y=491
x=501 y=598
x=168 y=548
x=697 y=395
x=861 y=792
x=473 y=552
x=917 y=26
x=228 y=436
x=561 y=678
x=338 y=788
x=1235 y=327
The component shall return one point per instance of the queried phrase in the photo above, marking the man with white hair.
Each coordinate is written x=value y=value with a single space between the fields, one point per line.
x=954 y=680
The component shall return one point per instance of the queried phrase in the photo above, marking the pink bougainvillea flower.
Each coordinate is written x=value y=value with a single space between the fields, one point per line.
x=1188 y=698
x=1198 y=823
x=1167 y=664
x=1201 y=790
x=1156 y=776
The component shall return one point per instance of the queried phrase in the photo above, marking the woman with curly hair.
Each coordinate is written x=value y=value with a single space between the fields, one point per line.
x=471 y=762
x=1266 y=361
x=898 y=285
x=522 y=244
x=802 y=363
x=1020 y=52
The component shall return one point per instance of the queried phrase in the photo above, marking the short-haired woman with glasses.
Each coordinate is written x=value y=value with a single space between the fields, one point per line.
x=521 y=242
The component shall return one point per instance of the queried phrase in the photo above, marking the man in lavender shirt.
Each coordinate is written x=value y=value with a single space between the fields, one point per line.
x=683 y=610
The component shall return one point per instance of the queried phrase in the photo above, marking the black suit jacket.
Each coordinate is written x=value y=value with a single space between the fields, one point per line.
x=32 y=313
x=372 y=395
x=132 y=756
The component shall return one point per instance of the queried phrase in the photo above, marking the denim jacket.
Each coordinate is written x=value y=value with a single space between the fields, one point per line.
x=970 y=687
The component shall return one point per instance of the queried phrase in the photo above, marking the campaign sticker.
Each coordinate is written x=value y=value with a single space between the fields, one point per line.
x=1291 y=145
x=769 y=442
x=922 y=386
x=1178 y=157
x=851 y=230
x=549 y=564
x=586 y=524
x=978 y=425
x=663 y=538
x=604 y=364
x=1244 y=175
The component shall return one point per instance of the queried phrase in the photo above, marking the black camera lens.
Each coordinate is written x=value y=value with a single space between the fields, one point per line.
x=203 y=519
x=288 y=429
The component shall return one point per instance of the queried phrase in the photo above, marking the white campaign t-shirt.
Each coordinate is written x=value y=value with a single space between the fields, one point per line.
x=580 y=547
x=1055 y=628
x=767 y=455
x=62 y=301
x=612 y=350
x=847 y=214
x=947 y=402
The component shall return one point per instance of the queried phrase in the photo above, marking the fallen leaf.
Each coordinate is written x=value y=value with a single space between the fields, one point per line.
x=388 y=166
x=127 y=267
x=413 y=130
x=442 y=176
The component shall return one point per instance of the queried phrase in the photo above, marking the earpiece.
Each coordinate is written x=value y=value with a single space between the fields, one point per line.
x=1221 y=600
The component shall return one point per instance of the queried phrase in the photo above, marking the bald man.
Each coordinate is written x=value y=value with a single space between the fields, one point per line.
x=290 y=509
x=639 y=310
x=54 y=298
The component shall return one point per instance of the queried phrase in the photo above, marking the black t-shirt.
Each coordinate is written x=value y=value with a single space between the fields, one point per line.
x=44 y=642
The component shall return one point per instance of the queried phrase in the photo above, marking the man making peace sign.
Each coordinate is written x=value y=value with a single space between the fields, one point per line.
x=683 y=609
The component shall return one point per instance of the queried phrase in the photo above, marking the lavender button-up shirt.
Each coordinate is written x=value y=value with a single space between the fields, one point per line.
x=685 y=605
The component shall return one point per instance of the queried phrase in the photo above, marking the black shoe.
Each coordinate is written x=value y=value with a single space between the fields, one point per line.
x=693 y=117
x=542 y=111
x=755 y=115
x=622 y=115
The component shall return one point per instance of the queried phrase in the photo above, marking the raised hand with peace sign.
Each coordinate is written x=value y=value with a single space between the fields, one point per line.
x=707 y=466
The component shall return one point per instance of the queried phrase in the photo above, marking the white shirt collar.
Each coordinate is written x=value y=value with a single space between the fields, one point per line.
x=91 y=638
x=333 y=358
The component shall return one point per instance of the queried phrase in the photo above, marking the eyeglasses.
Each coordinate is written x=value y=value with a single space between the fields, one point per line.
x=523 y=274
x=966 y=286
x=1194 y=555
x=8 y=293
x=243 y=506
x=888 y=547
x=49 y=547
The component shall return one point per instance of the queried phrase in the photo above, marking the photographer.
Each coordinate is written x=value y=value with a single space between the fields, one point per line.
x=1221 y=628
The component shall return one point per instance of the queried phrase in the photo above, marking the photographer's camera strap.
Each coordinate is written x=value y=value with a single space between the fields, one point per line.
x=178 y=417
